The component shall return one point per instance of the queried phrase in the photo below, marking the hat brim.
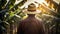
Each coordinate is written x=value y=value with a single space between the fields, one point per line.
x=29 y=12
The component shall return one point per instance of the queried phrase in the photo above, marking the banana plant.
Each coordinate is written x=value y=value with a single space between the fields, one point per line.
x=9 y=9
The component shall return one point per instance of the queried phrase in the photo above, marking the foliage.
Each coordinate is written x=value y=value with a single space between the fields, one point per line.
x=9 y=10
x=11 y=14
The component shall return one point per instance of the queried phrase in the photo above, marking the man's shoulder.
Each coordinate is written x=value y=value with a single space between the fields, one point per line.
x=38 y=19
x=25 y=20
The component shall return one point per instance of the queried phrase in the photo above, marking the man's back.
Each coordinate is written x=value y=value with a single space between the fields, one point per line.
x=31 y=26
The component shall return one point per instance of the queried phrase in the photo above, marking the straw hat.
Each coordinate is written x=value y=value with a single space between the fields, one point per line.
x=31 y=9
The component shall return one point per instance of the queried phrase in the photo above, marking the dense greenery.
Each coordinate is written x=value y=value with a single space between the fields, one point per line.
x=11 y=14
x=8 y=11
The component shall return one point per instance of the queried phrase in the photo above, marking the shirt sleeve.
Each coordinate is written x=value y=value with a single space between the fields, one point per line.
x=19 y=29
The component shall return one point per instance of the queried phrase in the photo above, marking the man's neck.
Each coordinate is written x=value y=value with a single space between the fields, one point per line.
x=31 y=15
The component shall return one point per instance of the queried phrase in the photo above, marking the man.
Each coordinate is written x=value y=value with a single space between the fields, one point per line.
x=31 y=25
